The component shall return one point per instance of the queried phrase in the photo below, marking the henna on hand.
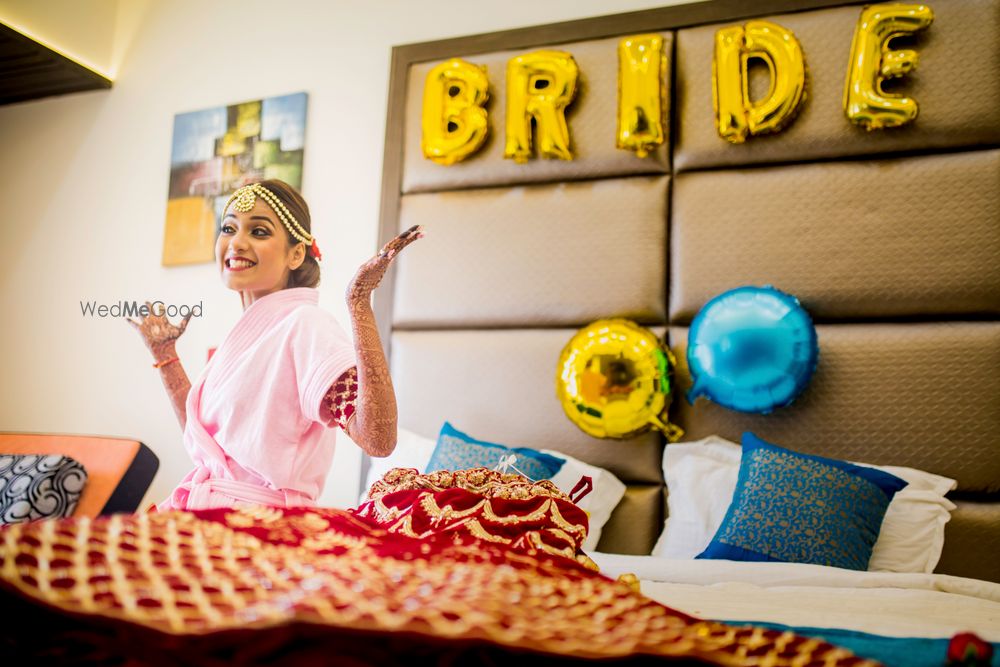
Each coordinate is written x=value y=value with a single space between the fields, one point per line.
x=160 y=337
x=373 y=425
x=176 y=382
x=157 y=331
x=371 y=272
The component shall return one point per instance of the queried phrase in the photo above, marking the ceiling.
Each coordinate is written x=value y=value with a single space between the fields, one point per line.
x=30 y=70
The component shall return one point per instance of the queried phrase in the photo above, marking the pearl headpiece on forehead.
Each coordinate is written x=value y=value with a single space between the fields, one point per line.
x=246 y=196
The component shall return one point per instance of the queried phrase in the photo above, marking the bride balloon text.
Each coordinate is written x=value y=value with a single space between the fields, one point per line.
x=540 y=85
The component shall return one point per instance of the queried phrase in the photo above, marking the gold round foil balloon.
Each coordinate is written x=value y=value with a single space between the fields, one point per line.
x=614 y=380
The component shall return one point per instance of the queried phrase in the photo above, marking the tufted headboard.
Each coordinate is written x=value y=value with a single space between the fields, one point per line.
x=890 y=239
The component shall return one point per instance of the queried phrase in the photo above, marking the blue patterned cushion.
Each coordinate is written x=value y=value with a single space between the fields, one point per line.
x=457 y=451
x=798 y=508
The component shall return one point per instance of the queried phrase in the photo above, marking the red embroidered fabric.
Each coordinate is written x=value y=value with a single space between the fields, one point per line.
x=341 y=401
x=315 y=586
x=479 y=504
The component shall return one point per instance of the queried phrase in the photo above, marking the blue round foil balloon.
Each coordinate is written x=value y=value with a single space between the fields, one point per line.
x=751 y=349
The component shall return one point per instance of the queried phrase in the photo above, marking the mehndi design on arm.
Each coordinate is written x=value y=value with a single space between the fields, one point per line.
x=160 y=337
x=373 y=425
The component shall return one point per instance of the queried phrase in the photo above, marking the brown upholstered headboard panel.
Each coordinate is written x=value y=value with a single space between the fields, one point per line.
x=890 y=239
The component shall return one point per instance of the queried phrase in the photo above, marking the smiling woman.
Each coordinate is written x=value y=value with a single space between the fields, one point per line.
x=287 y=264
x=258 y=422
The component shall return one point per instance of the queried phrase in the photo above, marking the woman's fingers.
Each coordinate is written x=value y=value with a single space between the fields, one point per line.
x=184 y=324
x=135 y=325
x=152 y=312
x=412 y=234
x=406 y=238
x=371 y=272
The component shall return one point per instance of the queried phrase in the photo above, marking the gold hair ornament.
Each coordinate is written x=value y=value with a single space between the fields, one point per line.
x=245 y=198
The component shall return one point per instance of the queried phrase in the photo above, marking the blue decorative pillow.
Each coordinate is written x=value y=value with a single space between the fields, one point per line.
x=457 y=451
x=798 y=508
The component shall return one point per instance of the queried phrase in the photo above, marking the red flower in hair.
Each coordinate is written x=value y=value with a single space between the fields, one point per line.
x=314 y=249
x=968 y=650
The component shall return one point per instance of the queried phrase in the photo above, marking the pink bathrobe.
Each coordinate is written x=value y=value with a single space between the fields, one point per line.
x=254 y=428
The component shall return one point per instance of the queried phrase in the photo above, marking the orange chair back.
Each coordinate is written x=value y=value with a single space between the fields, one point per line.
x=119 y=471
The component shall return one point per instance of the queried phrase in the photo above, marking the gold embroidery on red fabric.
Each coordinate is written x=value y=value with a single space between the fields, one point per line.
x=342 y=398
x=531 y=510
x=488 y=483
x=192 y=573
x=447 y=513
x=536 y=515
x=477 y=530
x=578 y=530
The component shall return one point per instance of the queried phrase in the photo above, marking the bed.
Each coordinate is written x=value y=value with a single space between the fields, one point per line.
x=890 y=240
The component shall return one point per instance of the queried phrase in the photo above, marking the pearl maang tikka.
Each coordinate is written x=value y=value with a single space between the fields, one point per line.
x=246 y=196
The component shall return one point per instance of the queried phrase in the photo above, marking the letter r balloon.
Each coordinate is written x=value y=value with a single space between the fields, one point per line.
x=540 y=85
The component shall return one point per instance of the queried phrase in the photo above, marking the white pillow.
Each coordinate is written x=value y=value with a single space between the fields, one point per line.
x=599 y=503
x=912 y=535
x=412 y=451
x=701 y=479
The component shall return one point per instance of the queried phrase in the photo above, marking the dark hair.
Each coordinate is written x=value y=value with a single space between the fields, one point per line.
x=307 y=275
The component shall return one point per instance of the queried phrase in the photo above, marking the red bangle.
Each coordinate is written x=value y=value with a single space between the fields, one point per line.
x=161 y=364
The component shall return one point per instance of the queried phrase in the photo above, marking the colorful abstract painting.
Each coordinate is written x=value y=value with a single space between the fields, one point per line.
x=217 y=150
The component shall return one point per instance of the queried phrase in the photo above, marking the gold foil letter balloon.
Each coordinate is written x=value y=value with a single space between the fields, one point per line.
x=641 y=63
x=454 y=121
x=872 y=62
x=614 y=380
x=736 y=116
x=540 y=85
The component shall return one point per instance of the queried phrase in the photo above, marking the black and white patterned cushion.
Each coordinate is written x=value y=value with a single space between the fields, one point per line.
x=39 y=486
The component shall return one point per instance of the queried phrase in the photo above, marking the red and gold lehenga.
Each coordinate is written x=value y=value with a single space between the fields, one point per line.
x=472 y=567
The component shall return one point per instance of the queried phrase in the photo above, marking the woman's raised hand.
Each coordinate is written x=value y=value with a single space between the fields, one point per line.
x=157 y=331
x=371 y=272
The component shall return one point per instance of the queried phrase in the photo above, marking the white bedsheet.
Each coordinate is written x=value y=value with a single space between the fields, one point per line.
x=884 y=603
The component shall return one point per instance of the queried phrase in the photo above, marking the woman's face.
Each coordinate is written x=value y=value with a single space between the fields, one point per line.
x=253 y=252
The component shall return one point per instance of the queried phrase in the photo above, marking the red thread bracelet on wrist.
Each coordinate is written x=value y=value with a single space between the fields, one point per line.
x=161 y=364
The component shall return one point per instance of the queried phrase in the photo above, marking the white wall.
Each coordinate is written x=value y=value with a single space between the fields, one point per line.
x=83 y=185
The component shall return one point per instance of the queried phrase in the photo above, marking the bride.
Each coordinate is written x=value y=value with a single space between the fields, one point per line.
x=259 y=420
